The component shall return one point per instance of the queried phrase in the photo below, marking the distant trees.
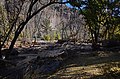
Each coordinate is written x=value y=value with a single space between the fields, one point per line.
x=101 y=16
x=75 y=26
x=4 y=26
x=14 y=9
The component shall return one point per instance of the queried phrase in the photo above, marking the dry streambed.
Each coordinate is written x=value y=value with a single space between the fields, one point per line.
x=64 y=61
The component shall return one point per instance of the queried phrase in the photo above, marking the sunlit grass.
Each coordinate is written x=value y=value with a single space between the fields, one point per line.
x=84 y=67
x=105 y=65
x=87 y=72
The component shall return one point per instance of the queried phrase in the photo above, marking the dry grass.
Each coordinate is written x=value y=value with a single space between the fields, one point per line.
x=102 y=65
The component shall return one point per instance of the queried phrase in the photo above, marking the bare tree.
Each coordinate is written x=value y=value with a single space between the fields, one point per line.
x=30 y=14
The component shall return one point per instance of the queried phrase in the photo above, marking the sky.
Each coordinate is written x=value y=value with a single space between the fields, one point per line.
x=68 y=4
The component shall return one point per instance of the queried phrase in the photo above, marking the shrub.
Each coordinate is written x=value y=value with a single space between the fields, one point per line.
x=46 y=37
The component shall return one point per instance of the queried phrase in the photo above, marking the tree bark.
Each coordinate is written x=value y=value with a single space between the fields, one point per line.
x=20 y=28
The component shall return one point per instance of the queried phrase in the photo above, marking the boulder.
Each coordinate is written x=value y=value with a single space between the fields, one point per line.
x=110 y=43
x=62 y=41
x=6 y=53
x=50 y=67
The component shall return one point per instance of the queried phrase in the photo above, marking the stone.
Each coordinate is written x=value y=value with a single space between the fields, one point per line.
x=6 y=53
x=50 y=67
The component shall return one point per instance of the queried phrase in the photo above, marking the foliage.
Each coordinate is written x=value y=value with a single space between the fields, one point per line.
x=116 y=37
x=47 y=37
x=56 y=36
x=75 y=3
x=46 y=25
x=4 y=24
x=15 y=10
x=101 y=16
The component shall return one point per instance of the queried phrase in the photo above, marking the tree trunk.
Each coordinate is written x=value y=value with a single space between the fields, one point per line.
x=0 y=53
x=0 y=49
x=17 y=33
x=95 y=42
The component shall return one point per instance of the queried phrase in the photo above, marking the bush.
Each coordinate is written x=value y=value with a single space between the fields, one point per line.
x=46 y=37
x=58 y=37
x=116 y=37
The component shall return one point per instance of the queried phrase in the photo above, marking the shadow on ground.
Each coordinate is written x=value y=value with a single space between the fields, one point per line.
x=97 y=65
x=73 y=63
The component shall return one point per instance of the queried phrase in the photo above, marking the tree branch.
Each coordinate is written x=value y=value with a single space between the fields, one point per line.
x=47 y=6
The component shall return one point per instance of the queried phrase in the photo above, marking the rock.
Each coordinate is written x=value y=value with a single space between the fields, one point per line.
x=6 y=53
x=50 y=47
x=110 y=43
x=61 y=41
x=50 y=67
x=14 y=52
x=26 y=41
x=86 y=48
